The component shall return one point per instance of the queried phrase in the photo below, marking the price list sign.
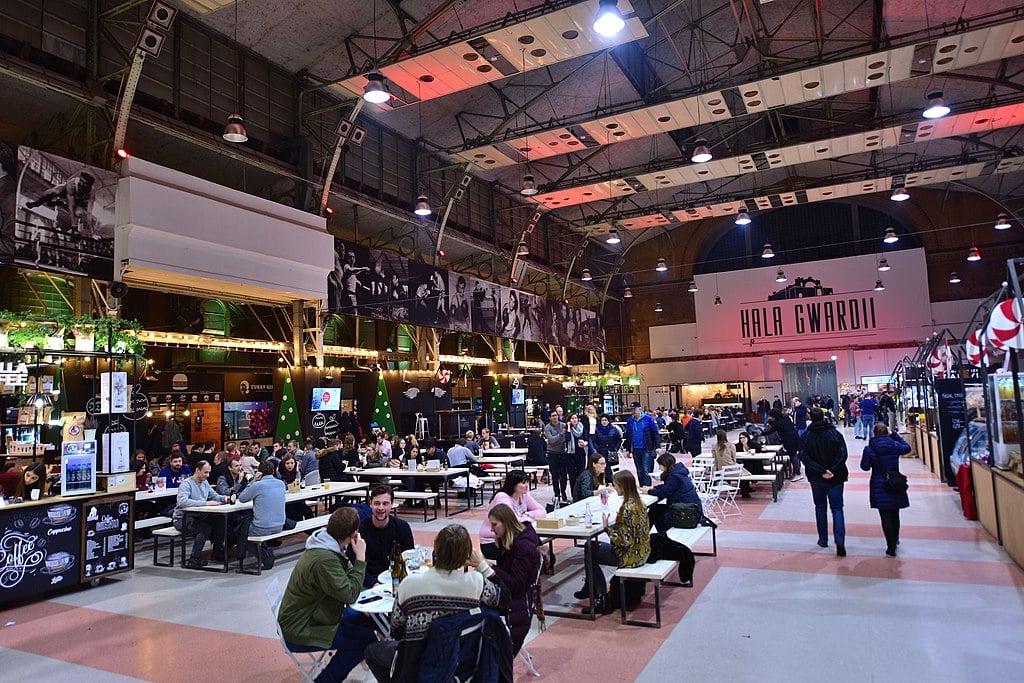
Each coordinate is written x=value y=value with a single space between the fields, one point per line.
x=952 y=405
x=39 y=548
x=107 y=538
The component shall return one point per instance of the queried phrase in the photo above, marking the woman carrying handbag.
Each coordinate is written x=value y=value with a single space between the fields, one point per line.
x=888 y=490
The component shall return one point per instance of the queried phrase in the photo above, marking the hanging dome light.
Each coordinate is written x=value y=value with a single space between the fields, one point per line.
x=523 y=249
x=718 y=300
x=235 y=130
x=879 y=287
x=608 y=21
x=937 y=107
x=586 y=277
x=883 y=266
x=701 y=153
x=954 y=278
x=692 y=288
x=767 y=251
x=743 y=218
x=613 y=237
x=374 y=91
x=781 y=277
x=529 y=187
x=1002 y=222
x=627 y=293
x=973 y=255
x=900 y=194
x=890 y=236
x=658 y=308
x=662 y=266
x=422 y=206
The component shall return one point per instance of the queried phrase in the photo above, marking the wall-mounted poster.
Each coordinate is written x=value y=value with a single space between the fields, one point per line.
x=114 y=394
x=55 y=214
x=371 y=283
x=115 y=452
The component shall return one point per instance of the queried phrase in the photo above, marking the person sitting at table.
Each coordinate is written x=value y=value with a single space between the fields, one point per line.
x=517 y=567
x=515 y=493
x=176 y=471
x=486 y=441
x=441 y=591
x=744 y=444
x=693 y=435
x=725 y=455
x=330 y=461
x=676 y=434
x=197 y=492
x=536 y=448
x=307 y=459
x=19 y=483
x=630 y=545
x=288 y=472
x=459 y=455
x=381 y=531
x=591 y=480
x=314 y=614
x=267 y=494
x=142 y=475
x=233 y=481
x=675 y=487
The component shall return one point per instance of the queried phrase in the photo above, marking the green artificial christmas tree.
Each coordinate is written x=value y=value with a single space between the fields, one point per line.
x=288 y=425
x=382 y=408
x=499 y=413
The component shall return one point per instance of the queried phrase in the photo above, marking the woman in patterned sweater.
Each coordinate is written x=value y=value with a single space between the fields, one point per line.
x=630 y=541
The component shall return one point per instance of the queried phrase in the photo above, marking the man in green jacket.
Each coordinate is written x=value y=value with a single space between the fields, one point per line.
x=313 y=614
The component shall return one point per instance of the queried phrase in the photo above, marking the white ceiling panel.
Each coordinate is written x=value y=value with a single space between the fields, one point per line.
x=975 y=47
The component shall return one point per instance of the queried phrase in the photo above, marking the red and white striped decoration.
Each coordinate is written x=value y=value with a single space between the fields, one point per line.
x=975 y=352
x=1005 y=327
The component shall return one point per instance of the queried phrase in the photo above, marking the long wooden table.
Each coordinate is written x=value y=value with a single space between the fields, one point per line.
x=444 y=475
x=308 y=493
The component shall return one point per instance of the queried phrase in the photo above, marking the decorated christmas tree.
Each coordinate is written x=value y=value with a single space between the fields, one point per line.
x=499 y=413
x=288 y=426
x=382 y=408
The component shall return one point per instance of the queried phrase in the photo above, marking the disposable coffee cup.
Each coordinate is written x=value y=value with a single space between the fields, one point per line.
x=35 y=494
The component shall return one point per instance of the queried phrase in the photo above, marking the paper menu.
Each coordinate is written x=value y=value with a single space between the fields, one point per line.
x=115 y=396
x=116 y=451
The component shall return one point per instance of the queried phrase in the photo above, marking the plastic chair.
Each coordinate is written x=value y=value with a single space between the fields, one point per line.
x=317 y=660
x=726 y=485
x=524 y=654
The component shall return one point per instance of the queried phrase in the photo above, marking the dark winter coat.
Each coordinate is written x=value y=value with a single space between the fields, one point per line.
x=694 y=436
x=787 y=434
x=824 y=449
x=517 y=568
x=676 y=487
x=607 y=439
x=884 y=451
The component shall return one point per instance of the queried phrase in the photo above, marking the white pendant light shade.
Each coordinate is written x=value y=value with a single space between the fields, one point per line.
x=422 y=206
x=890 y=236
x=662 y=266
x=973 y=255
x=529 y=187
x=627 y=293
x=879 y=287
x=586 y=276
x=767 y=251
x=743 y=218
x=613 y=237
x=781 y=277
x=235 y=130
x=900 y=194
x=608 y=21
x=523 y=250
x=937 y=107
x=954 y=278
x=1002 y=222
x=374 y=91
x=692 y=288
x=883 y=266
x=718 y=300
x=658 y=308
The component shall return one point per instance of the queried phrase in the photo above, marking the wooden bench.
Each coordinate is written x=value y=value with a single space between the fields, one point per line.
x=173 y=534
x=306 y=525
x=691 y=537
x=774 y=479
x=425 y=497
x=655 y=572
x=152 y=523
x=539 y=474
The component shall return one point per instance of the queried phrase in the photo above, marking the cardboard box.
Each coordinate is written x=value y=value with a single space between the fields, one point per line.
x=549 y=523
x=122 y=482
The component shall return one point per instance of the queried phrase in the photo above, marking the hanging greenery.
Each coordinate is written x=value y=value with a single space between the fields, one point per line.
x=28 y=330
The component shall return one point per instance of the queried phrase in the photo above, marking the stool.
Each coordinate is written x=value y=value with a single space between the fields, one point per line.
x=421 y=426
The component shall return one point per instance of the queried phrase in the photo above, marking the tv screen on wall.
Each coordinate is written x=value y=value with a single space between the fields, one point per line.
x=326 y=398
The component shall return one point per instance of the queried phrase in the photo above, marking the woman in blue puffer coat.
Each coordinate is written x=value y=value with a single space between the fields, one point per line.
x=882 y=454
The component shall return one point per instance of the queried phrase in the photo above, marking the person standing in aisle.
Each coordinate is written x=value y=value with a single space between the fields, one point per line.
x=642 y=441
x=576 y=443
x=888 y=407
x=799 y=416
x=824 y=455
x=868 y=408
x=554 y=437
x=882 y=455
x=694 y=434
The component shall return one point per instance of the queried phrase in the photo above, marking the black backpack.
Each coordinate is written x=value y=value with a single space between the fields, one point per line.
x=664 y=548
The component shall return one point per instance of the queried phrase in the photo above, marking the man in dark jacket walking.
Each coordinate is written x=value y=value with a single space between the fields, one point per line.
x=823 y=453
x=641 y=440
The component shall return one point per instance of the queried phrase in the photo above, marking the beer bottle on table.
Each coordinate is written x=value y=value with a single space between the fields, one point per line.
x=398 y=569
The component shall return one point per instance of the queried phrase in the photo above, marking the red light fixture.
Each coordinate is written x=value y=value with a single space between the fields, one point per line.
x=122 y=153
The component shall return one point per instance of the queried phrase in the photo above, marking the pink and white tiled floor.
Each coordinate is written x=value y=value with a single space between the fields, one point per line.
x=771 y=606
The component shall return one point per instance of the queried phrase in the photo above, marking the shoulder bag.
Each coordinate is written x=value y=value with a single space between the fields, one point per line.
x=893 y=482
x=686 y=515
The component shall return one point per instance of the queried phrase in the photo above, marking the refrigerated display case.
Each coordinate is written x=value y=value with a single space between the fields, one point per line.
x=1004 y=399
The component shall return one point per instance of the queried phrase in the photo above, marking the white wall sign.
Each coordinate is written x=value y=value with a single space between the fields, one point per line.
x=829 y=302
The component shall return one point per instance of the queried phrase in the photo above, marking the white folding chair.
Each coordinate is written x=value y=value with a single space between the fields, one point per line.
x=317 y=660
x=524 y=654
x=726 y=485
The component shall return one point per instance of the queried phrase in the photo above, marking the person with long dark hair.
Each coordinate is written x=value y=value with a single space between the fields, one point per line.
x=675 y=487
x=591 y=480
x=514 y=492
x=881 y=455
x=576 y=443
x=518 y=566
x=19 y=483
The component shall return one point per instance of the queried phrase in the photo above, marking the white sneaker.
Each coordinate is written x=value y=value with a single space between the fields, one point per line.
x=798 y=477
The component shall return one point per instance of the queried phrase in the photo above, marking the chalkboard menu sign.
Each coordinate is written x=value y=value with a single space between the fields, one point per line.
x=107 y=537
x=39 y=548
x=952 y=407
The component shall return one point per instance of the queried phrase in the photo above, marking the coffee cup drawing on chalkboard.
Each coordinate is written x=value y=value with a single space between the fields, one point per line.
x=58 y=563
x=60 y=514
